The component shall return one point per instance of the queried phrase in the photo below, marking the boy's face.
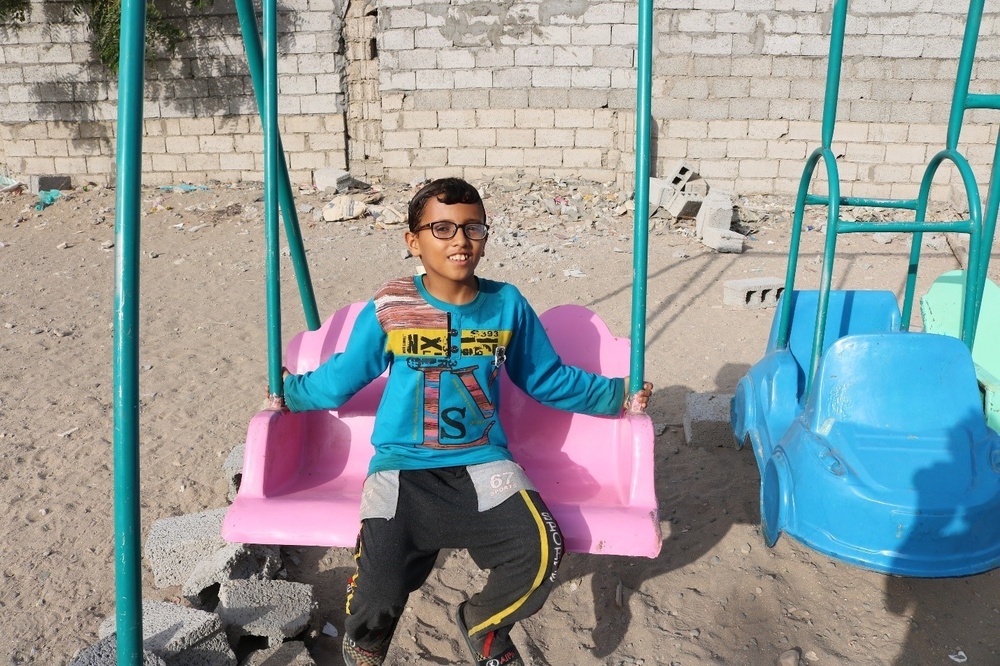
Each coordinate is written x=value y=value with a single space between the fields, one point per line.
x=450 y=264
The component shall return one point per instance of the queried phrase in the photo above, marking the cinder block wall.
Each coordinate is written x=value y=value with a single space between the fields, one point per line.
x=543 y=88
x=548 y=88
x=738 y=91
x=58 y=105
x=416 y=88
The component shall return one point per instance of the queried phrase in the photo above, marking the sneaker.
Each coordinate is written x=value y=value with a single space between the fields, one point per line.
x=358 y=656
x=494 y=649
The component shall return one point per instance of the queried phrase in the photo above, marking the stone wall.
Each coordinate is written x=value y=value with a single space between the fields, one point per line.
x=415 y=88
x=738 y=91
x=58 y=104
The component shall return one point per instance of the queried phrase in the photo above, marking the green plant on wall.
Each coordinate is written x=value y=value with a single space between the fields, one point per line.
x=104 y=19
x=14 y=11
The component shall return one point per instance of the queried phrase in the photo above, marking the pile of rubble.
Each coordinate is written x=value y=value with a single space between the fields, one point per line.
x=239 y=607
x=681 y=201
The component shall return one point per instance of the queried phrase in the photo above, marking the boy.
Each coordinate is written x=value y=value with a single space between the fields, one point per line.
x=440 y=451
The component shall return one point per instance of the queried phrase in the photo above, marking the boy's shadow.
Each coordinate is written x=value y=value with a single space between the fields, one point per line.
x=702 y=492
x=947 y=616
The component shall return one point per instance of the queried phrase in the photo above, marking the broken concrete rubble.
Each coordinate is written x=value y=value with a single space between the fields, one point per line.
x=180 y=636
x=344 y=208
x=234 y=561
x=290 y=653
x=272 y=609
x=175 y=545
x=105 y=653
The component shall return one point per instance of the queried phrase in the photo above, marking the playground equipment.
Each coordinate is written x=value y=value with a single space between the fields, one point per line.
x=302 y=476
x=870 y=439
x=264 y=71
x=941 y=307
x=941 y=312
x=303 y=472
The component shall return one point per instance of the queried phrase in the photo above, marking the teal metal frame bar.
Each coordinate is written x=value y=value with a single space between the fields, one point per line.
x=640 y=251
x=128 y=556
x=286 y=200
x=975 y=226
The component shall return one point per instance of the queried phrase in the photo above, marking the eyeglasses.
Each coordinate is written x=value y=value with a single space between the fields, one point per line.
x=446 y=230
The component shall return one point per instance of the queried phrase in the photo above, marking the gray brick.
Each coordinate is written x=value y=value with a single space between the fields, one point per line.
x=37 y=184
x=706 y=419
x=677 y=173
x=684 y=204
x=752 y=293
x=723 y=240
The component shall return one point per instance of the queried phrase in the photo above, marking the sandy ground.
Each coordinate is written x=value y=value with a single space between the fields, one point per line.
x=716 y=594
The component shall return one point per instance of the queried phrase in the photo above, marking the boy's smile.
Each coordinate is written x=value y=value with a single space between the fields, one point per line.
x=450 y=264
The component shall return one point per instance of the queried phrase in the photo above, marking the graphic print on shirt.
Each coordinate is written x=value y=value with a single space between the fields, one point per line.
x=459 y=411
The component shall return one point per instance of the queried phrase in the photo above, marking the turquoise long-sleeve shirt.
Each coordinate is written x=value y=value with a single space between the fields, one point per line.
x=441 y=405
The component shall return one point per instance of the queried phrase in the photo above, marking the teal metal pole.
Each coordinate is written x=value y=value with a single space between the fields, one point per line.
x=644 y=85
x=286 y=200
x=833 y=67
x=960 y=98
x=128 y=558
x=272 y=266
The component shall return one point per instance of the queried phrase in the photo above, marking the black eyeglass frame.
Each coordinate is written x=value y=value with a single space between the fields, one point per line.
x=455 y=228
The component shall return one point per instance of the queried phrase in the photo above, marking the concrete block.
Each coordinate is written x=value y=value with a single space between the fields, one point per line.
x=706 y=419
x=723 y=240
x=715 y=212
x=180 y=636
x=752 y=293
x=105 y=653
x=176 y=545
x=292 y=653
x=660 y=193
x=273 y=609
x=232 y=469
x=678 y=174
x=231 y=562
x=698 y=186
x=332 y=179
x=39 y=183
x=684 y=205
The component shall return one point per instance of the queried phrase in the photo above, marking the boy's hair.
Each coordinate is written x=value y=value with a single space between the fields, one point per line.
x=446 y=190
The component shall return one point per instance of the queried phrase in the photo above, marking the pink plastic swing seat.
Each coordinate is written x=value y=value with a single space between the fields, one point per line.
x=303 y=472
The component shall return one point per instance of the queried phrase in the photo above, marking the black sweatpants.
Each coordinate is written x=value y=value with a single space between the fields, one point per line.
x=518 y=541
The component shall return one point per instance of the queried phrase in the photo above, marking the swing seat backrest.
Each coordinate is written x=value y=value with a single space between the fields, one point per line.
x=303 y=472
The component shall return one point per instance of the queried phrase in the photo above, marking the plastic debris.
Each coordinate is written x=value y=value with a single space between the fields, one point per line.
x=184 y=187
x=330 y=630
x=958 y=657
x=47 y=198
x=344 y=208
x=10 y=185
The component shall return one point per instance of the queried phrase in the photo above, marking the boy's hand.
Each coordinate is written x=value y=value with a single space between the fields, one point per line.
x=637 y=403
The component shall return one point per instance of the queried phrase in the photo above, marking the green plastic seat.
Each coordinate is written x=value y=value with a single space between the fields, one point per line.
x=941 y=309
